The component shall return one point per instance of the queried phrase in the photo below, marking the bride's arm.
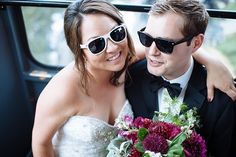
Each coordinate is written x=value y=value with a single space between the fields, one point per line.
x=218 y=75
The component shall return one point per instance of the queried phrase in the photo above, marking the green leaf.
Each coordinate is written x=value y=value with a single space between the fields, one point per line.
x=183 y=107
x=176 y=151
x=116 y=142
x=142 y=133
x=146 y=155
x=119 y=147
x=178 y=139
x=175 y=147
x=139 y=147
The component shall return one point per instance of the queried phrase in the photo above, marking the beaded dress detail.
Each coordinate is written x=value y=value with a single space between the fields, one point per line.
x=84 y=136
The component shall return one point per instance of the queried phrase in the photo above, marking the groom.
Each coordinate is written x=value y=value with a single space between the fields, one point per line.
x=175 y=29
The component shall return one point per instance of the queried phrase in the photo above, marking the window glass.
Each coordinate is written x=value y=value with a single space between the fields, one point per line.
x=44 y=28
x=220 y=4
x=220 y=40
x=210 y=4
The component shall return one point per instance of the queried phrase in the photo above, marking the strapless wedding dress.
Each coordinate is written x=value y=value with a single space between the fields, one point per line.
x=84 y=136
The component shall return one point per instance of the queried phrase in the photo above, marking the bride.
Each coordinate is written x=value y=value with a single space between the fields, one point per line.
x=76 y=111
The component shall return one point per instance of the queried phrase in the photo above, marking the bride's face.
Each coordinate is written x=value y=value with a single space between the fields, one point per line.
x=112 y=55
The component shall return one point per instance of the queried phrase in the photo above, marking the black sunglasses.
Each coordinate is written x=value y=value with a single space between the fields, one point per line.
x=98 y=45
x=165 y=46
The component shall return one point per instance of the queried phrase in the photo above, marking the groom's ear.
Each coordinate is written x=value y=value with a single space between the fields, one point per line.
x=197 y=42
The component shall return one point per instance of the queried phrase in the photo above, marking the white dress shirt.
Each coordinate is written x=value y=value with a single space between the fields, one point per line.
x=183 y=81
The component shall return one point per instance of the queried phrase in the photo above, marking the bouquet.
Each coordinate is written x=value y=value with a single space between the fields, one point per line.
x=166 y=135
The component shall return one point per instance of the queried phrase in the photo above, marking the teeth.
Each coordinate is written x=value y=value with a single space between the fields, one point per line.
x=114 y=57
x=155 y=61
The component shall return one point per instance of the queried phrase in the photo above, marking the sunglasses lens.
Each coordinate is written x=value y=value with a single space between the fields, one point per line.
x=164 y=45
x=118 y=34
x=97 y=45
x=145 y=39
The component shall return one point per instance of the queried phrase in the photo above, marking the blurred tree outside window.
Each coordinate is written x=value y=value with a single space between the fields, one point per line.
x=44 y=27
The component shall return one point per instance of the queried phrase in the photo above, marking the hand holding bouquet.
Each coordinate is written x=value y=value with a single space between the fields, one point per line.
x=166 y=135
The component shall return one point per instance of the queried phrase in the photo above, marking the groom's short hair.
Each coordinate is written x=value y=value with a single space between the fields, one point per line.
x=193 y=12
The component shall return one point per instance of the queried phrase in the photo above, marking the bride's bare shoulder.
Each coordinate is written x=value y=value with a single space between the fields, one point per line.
x=62 y=90
x=65 y=79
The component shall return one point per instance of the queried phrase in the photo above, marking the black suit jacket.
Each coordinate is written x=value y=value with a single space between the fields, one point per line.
x=217 y=117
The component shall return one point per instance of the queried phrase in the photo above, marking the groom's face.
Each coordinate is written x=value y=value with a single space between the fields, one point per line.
x=167 y=26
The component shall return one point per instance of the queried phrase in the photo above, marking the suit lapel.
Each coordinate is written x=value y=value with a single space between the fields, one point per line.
x=195 y=94
x=150 y=97
x=193 y=98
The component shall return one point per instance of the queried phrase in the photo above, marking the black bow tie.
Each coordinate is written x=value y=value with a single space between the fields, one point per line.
x=173 y=89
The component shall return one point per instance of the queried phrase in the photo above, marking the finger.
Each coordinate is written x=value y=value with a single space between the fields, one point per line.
x=210 y=92
x=232 y=93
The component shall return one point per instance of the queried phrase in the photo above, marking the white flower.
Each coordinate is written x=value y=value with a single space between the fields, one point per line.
x=153 y=154
x=124 y=122
x=189 y=132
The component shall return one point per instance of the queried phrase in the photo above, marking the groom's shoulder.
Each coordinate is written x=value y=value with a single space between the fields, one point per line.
x=138 y=68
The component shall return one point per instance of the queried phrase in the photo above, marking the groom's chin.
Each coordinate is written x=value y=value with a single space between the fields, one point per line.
x=157 y=71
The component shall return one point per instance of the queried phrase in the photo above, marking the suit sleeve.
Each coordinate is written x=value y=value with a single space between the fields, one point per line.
x=222 y=142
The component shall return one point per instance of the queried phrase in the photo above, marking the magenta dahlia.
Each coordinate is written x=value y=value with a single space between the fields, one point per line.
x=174 y=131
x=160 y=128
x=194 y=146
x=155 y=143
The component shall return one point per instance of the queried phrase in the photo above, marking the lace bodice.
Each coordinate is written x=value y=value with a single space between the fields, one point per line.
x=84 y=136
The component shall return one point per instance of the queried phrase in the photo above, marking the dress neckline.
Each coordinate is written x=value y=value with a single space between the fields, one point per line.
x=99 y=120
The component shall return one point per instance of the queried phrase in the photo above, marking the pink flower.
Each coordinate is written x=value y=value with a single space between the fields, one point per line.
x=129 y=135
x=128 y=120
x=194 y=146
x=141 y=122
